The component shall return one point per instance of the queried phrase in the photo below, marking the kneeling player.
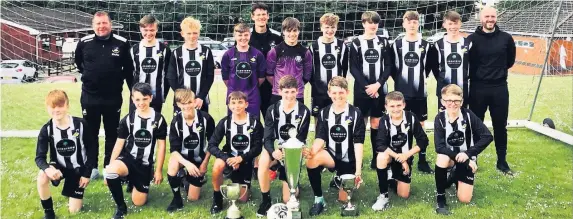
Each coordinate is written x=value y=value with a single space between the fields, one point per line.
x=394 y=147
x=282 y=116
x=341 y=128
x=244 y=135
x=191 y=130
x=133 y=152
x=72 y=155
x=459 y=136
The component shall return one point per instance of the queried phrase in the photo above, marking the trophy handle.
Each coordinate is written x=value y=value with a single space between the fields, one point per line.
x=223 y=188
x=336 y=180
x=245 y=188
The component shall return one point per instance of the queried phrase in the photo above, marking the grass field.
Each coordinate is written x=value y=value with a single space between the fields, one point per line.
x=541 y=187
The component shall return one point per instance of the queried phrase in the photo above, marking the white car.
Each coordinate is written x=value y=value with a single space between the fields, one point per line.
x=228 y=42
x=17 y=71
x=217 y=49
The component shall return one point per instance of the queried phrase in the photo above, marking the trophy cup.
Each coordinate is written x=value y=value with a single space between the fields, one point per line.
x=348 y=184
x=232 y=192
x=292 y=150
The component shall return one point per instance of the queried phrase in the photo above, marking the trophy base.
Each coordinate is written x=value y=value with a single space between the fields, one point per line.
x=241 y=217
x=349 y=212
x=296 y=215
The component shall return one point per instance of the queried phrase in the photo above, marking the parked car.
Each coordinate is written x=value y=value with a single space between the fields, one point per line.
x=17 y=71
x=217 y=49
x=69 y=47
x=228 y=42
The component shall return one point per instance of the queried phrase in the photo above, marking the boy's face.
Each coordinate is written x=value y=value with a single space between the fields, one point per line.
x=189 y=35
x=289 y=94
x=260 y=17
x=238 y=106
x=338 y=95
x=328 y=31
x=149 y=32
x=452 y=27
x=370 y=27
x=452 y=102
x=395 y=107
x=411 y=26
x=242 y=38
x=186 y=107
x=140 y=101
x=291 y=36
x=58 y=112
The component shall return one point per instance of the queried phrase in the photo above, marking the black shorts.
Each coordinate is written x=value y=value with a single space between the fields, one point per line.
x=398 y=172
x=195 y=181
x=342 y=167
x=317 y=103
x=373 y=107
x=419 y=107
x=463 y=173
x=139 y=175
x=244 y=174
x=72 y=182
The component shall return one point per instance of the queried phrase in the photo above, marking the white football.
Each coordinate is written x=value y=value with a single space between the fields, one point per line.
x=278 y=211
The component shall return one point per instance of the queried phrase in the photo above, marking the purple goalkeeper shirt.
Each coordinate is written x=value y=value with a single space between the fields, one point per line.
x=242 y=71
x=292 y=60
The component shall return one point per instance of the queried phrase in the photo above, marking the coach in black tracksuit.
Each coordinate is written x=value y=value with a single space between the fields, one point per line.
x=103 y=60
x=492 y=54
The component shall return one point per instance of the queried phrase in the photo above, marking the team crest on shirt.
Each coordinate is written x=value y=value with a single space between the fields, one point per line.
x=337 y=49
x=251 y=129
x=297 y=119
x=199 y=127
x=298 y=59
x=464 y=49
x=76 y=133
x=159 y=53
x=202 y=56
x=421 y=49
x=253 y=59
x=349 y=119
x=115 y=51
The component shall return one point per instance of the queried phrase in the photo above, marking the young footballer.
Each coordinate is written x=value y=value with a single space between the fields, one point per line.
x=460 y=136
x=330 y=58
x=370 y=65
x=338 y=144
x=150 y=62
x=452 y=57
x=410 y=55
x=395 y=148
x=138 y=134
x=192 y=66
x=72 y=155
x=188 y=139
x=243 y=142
x=281 y=117
x=289 y=58
x=243 y=68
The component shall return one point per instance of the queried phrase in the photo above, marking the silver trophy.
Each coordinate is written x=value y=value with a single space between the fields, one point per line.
x=292 y=150
x=233 y=192
x=348 y=184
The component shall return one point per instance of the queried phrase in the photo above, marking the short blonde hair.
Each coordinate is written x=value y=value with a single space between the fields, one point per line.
x=241 y=28
x=147 y=20
x=329 y=19
x=394 y=96
x=452 y=89
x=338 y=81
x=57 y=98
x=183 y=95
x=411 y=15
x=370 y=17
x=191 y=24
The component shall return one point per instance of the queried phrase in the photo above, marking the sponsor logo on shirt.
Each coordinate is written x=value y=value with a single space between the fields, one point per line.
x=115 y=51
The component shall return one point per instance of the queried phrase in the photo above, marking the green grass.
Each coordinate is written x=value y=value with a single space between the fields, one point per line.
x=541 y=188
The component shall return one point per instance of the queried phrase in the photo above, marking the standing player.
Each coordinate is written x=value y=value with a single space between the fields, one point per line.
x=263 y=39
x=72 y=155
x=394 y=143
x=330 y=57
x=244 y=68
x=370 y=65
x=192 y=66
x=341 y=129
x=151 y=59
x=286 y=114
x=103 y=60
x=289 y=58
x=492 y=54
x=191 y=130
x=460 y=136
x=243 y=142
x=410 y=55
x=132 y=155
x=453 y=57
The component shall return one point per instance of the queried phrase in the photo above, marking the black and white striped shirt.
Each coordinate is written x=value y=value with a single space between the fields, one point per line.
x=329 y=60
x=141 y=135
x=400 y=138
x=341 y=131
x=243 y=140
x=453 y=64
x=192 y=69
x=191 y=141
x=370 y=62
x=150 y=65
x=278 y=123
x=412 y=68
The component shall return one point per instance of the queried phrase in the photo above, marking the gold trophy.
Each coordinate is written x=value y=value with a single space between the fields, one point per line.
x=232 y=192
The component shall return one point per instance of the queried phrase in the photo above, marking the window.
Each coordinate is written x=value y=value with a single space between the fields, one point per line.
x=524 y=44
